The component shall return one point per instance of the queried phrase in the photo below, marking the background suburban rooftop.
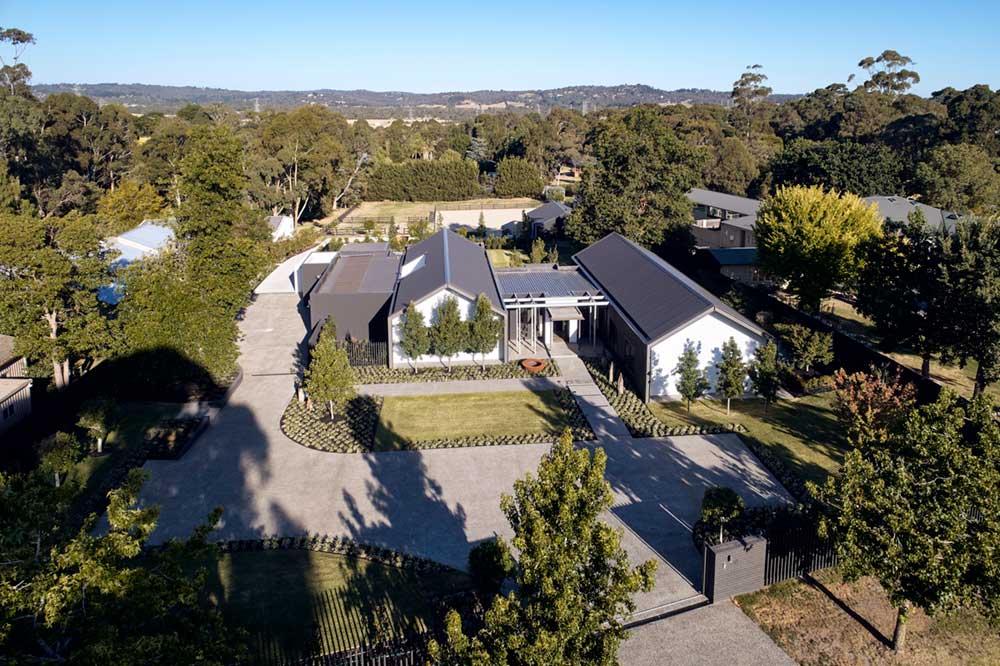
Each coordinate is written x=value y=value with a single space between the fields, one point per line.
x=449 y=260
x=734 y=256
x=729 y=202
x=653 y=294
x=899 y=209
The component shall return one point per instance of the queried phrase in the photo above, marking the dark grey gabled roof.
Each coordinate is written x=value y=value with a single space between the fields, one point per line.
x=549 y=210
x=899 y=208
x=730 y=202
x=445 y=260
x=656 y=297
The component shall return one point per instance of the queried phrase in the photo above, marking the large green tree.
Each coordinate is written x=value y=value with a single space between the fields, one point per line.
x=899 y=287
x=128 y=205
x=574 y=581
x=638 y=183
x=517 y=177
x=960 y=178
x=903 y=509
x=99 y=597
x=970 y=321
x=865 y=169
x=809 y=237
x=53 y=269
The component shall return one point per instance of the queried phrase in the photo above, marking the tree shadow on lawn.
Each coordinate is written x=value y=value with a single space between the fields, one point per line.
x=857 y=617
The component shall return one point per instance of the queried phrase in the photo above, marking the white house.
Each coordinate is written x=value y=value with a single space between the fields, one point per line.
x=146 y=240
x=281 y=226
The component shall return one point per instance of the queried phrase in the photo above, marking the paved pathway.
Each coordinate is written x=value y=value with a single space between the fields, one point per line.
x=436 y=504
x=717 y=635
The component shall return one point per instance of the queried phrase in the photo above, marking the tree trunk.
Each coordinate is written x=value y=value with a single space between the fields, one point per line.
x=980 y=386
x=57 y=375
x=728 y=400
x=56 y=474
x=100 y=445
x=330 y=405
x=899 y=634
x=925 y=367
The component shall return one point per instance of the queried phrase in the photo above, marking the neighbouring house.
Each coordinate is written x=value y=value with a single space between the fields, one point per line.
x=442 y=266
x=619 y=295
x=740 y=264
x=146 y=240
x=15 y=387
x=654 y=311
x=356 y=290
x=723 y=220
x=281 y=226
x=899 y=209
x=547 y=218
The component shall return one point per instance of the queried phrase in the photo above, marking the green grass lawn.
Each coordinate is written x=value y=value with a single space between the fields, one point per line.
x=502 y=258
x=803 y=432
x=961 y=380
x=419 y=418
x=133 y=420
x=294 y=602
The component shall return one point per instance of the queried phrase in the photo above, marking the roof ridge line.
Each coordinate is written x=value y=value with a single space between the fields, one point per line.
x=447 y=261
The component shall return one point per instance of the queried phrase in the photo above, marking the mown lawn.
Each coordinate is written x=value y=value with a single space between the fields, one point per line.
x=403 y=209
x=803 y=432
x=133 y=419
x=296 y=602
x=503 y=258
x=829 y=622
x=960 y=380
x=449 y=416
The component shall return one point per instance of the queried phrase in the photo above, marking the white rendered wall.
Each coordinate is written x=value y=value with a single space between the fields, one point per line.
x=466 y=309
x=708 y=334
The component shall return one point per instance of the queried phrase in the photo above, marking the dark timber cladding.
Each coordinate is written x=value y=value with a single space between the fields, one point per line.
x=356 y=292
x=445 y=260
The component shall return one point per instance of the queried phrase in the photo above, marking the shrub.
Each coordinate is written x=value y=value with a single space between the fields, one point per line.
x=425 y=180
x=806 y=346
x=490 y=564
x=517 y=177
x=719 y=507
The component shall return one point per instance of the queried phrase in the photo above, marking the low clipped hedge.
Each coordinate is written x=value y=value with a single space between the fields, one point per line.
x=385 y=375
x=351 y=431
x=336 y=545
x=636 y=415
x=577 y=423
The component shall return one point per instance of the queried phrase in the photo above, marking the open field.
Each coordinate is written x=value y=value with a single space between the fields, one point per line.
x=504 y=258
x=832 y=623
x=403 y=209
x=803 y=432
x=449 y=416
x=961 y=380
x=296 y=601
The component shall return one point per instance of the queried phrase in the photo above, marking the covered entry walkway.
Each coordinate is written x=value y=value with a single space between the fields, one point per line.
x=546 y=303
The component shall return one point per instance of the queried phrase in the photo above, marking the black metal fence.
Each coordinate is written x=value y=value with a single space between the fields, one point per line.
x=794 y=553
x=410 y=651
x=364 y=353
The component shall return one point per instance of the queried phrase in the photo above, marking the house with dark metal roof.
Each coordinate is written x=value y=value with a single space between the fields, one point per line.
x=654 y=311
x=446 y=265
x=739 y=263
x=723 y=220
x=547 y=217
x=899 y=209
x=356 y=292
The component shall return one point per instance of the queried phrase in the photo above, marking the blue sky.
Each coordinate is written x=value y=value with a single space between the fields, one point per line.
x=428 y=47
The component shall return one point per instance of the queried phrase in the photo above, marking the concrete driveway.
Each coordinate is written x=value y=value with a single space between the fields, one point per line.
x=436 y=504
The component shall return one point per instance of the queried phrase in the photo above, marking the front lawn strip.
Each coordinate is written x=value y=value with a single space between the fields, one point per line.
x=640 y=421
x=812 y=621
x=352 y=430
x=478 y=419
x=301 y=597
x=385 y=375
x=799 y=440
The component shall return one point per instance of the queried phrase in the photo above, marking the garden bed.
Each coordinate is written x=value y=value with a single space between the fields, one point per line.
x=352 y=430
x=637 y=416
x=171 y=438
x=386 y=375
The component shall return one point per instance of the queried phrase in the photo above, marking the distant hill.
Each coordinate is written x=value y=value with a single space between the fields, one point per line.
x=143 y=98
